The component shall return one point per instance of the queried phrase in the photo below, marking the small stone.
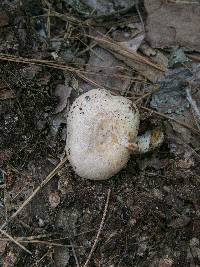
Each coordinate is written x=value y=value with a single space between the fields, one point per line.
x=157 y=193
x=132 y=222
x=167 y=262
x=141 y=250
x=194 y=242
x=41 y=222
x=166 y=188
x=54 y=199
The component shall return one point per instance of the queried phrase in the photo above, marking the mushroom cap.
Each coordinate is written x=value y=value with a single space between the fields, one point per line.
x=100 y=127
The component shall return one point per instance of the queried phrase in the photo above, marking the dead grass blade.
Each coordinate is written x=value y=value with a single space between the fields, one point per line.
x=28 y=200
x=15 y=241
x=100 y=229
x=172 y=119
x=52 y=64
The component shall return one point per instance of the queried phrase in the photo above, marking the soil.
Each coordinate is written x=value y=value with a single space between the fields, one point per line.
x=153 y=214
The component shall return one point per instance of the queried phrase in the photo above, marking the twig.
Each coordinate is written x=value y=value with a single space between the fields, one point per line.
x=28 y=200
x=194 y=57
x=54 y=65
x=51 y=64
x=48 y=18
x=100 y=229
x=117 y=48
x=42 y=62
x=74 y=254
x=49 y=243
x=192 y=102
x=157 y=87
x=195 y=120
x=90 y=48
x=42 y=258
x=146 y=67
x=49 y=23
x=15 y=241
x=172 y=119
x=182 y=2
x=67 y=17
x=140 y=16
x=33 y=61
x=44 y=242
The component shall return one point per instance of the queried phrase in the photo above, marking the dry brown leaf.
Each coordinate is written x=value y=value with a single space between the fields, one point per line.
x=63 y=93
x=107 y=71
x=142 y=64
x=173 y=24
x=133 y=44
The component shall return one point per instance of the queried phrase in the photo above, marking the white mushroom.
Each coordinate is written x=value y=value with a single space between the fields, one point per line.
x=102 y=132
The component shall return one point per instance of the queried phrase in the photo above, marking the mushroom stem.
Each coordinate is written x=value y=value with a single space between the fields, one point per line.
x=147 y=142
x=133 y=147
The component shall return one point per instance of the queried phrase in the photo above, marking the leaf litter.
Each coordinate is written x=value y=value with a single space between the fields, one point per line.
x=53 y=51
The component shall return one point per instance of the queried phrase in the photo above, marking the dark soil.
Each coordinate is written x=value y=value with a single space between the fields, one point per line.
x=153 y=217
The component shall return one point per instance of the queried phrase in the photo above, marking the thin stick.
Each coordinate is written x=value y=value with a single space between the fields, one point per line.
x=100 y=229
x=15 y=241
x=195 y=119
x=28 y=200
x=157 y=87
x=117 y=48
x=192 y=102
x=36 y=242
x=49 y=23
x=194 y=57
x=50 y=64
x=172 y=119
x=38 y=261
x=44 y=242
x=74 y=254
x=140 y=16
